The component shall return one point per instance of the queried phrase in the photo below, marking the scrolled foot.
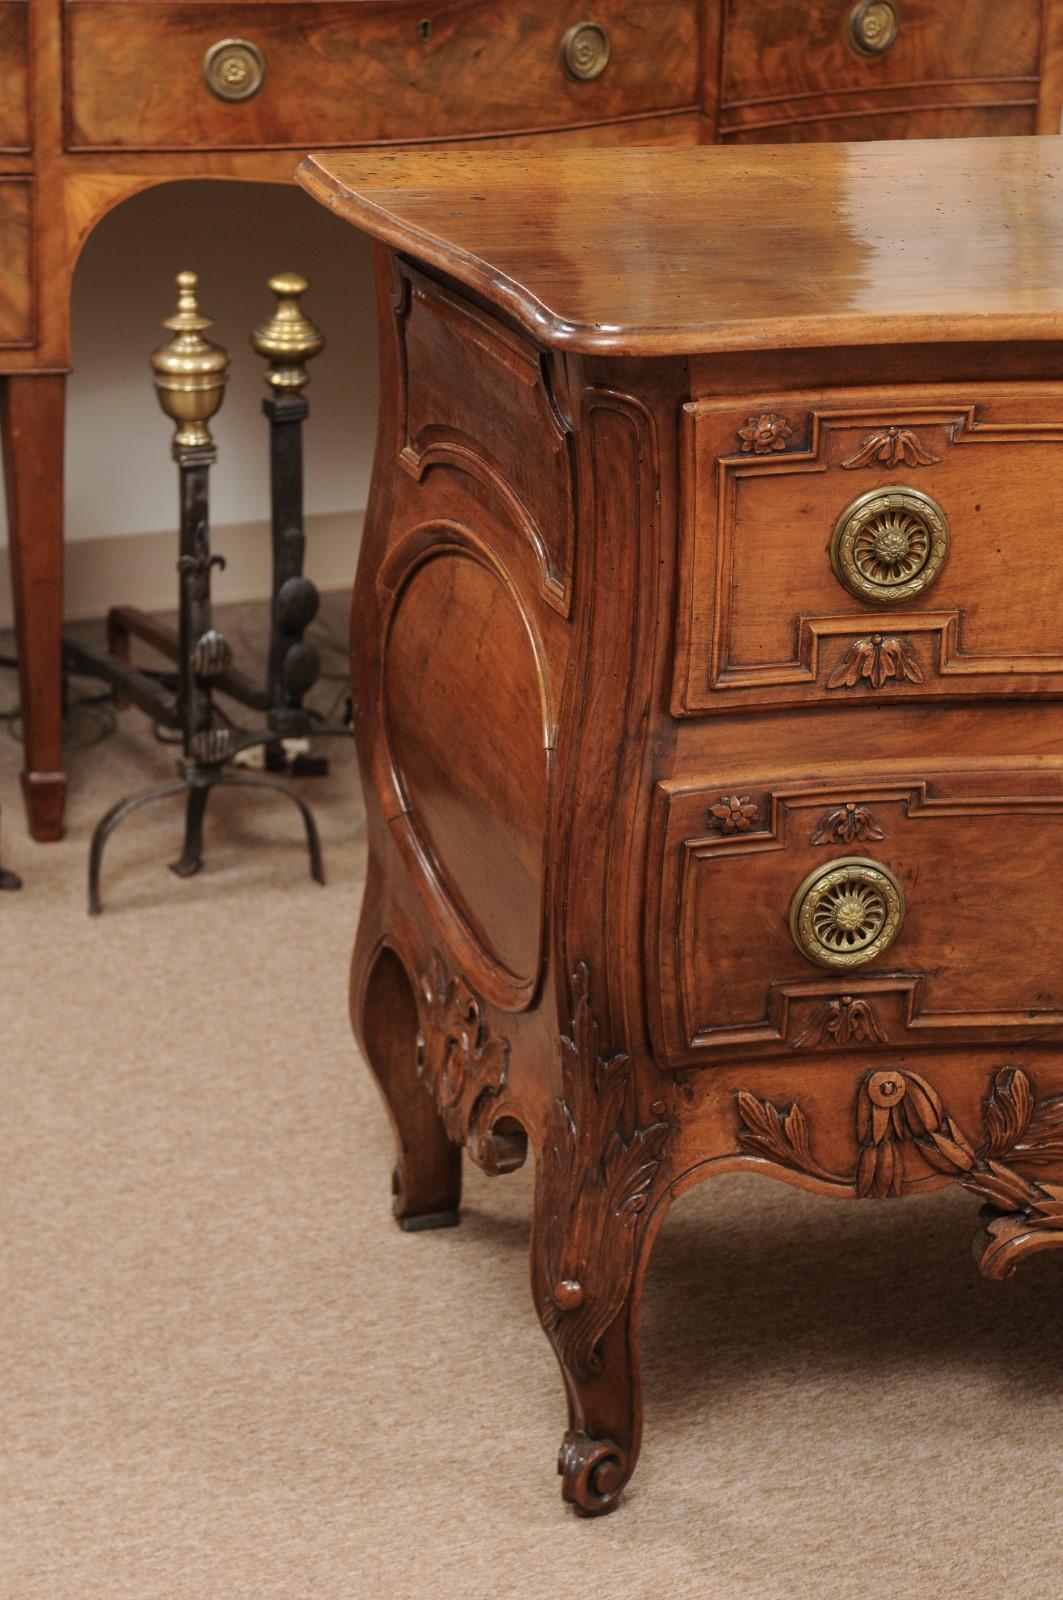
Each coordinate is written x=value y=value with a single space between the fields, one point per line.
x=593 y=1473
x=1008 y=1237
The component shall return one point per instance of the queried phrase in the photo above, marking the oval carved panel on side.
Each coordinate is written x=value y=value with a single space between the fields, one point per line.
x=463 y=698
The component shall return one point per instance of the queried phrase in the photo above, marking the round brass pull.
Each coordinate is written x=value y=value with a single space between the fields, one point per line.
x=889 y=545
x=847 y=913
x=585 y=51
x=873 y=27
x=234 y=69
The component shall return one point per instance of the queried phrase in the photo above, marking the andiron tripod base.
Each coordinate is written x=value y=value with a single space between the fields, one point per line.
x=196 y=786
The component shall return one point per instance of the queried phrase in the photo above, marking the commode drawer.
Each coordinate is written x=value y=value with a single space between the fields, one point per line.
x=887 y=547
x=879 y=69
x=161 y=76
x=883 y=914
x=14 y=76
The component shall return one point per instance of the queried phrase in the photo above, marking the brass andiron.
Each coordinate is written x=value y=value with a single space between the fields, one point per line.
x=190 y=377
x=288 y=340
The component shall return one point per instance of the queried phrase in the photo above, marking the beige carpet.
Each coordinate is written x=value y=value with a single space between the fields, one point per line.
x=227 y=1374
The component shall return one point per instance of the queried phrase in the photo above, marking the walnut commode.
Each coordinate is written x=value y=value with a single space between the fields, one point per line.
x=708 y=665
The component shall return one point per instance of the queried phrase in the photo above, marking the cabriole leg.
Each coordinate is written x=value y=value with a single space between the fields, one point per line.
x=427 y=1177
x=600 y=1168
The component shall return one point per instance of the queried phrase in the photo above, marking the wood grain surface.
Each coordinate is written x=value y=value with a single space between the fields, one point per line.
x=823 y=245
x=708 y=700
x=366 y=73
x=14 y=76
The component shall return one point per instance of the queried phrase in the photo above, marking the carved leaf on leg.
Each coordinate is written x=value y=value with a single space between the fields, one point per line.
x=596 y=1175
x=465 y=1068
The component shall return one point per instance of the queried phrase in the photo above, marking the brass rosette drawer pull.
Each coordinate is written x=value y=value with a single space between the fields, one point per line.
x=847 y=913
x=873 y=27
x=585 y=51
x=234 y=69
x=889 y=545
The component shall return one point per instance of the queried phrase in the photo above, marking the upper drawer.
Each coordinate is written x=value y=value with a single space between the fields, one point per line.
x=898 y=546
x=368 y=71
x=799 y=69
x=14 y=76
x=857 y=913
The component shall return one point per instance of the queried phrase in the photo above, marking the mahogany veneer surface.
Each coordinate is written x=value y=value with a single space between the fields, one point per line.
x=708 y=680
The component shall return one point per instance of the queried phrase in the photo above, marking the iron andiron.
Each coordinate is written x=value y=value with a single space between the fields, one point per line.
x=190 y=374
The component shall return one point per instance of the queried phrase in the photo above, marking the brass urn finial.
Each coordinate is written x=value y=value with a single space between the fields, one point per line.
x=190 y=372
x=289 y=338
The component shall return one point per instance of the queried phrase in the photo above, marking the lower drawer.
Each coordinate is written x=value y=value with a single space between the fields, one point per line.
x=884 y=914
x=16 y=282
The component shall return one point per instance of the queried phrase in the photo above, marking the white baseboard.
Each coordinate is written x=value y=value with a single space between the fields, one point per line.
x=139 y=569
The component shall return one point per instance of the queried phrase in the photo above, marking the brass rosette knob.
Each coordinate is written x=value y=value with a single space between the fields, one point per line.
x=873 y=27
x=889 y=545
x=847 y=913
x=190 y=372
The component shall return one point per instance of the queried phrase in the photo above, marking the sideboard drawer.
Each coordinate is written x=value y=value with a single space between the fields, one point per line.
x=886 y=547
x=368 y=72
x=881 y=914
x=835 y=69
x=14 y=76
x=16 y=274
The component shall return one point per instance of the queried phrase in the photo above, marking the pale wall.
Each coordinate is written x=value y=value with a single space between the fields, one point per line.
x=120 y=481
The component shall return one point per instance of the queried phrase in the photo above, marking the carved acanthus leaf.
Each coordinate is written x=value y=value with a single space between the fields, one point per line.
x=844 y=1020
x=898 y=1110
x=891 y=447
x=596 y=1176
x=846 y=824
x=781 y=1135
x=464 y=1066
x=875 y=660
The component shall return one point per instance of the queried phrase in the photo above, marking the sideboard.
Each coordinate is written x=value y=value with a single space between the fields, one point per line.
x=102 y=98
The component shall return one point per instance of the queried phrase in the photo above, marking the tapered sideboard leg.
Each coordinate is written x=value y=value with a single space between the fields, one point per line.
x=32 y=409
x=427 y=1177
